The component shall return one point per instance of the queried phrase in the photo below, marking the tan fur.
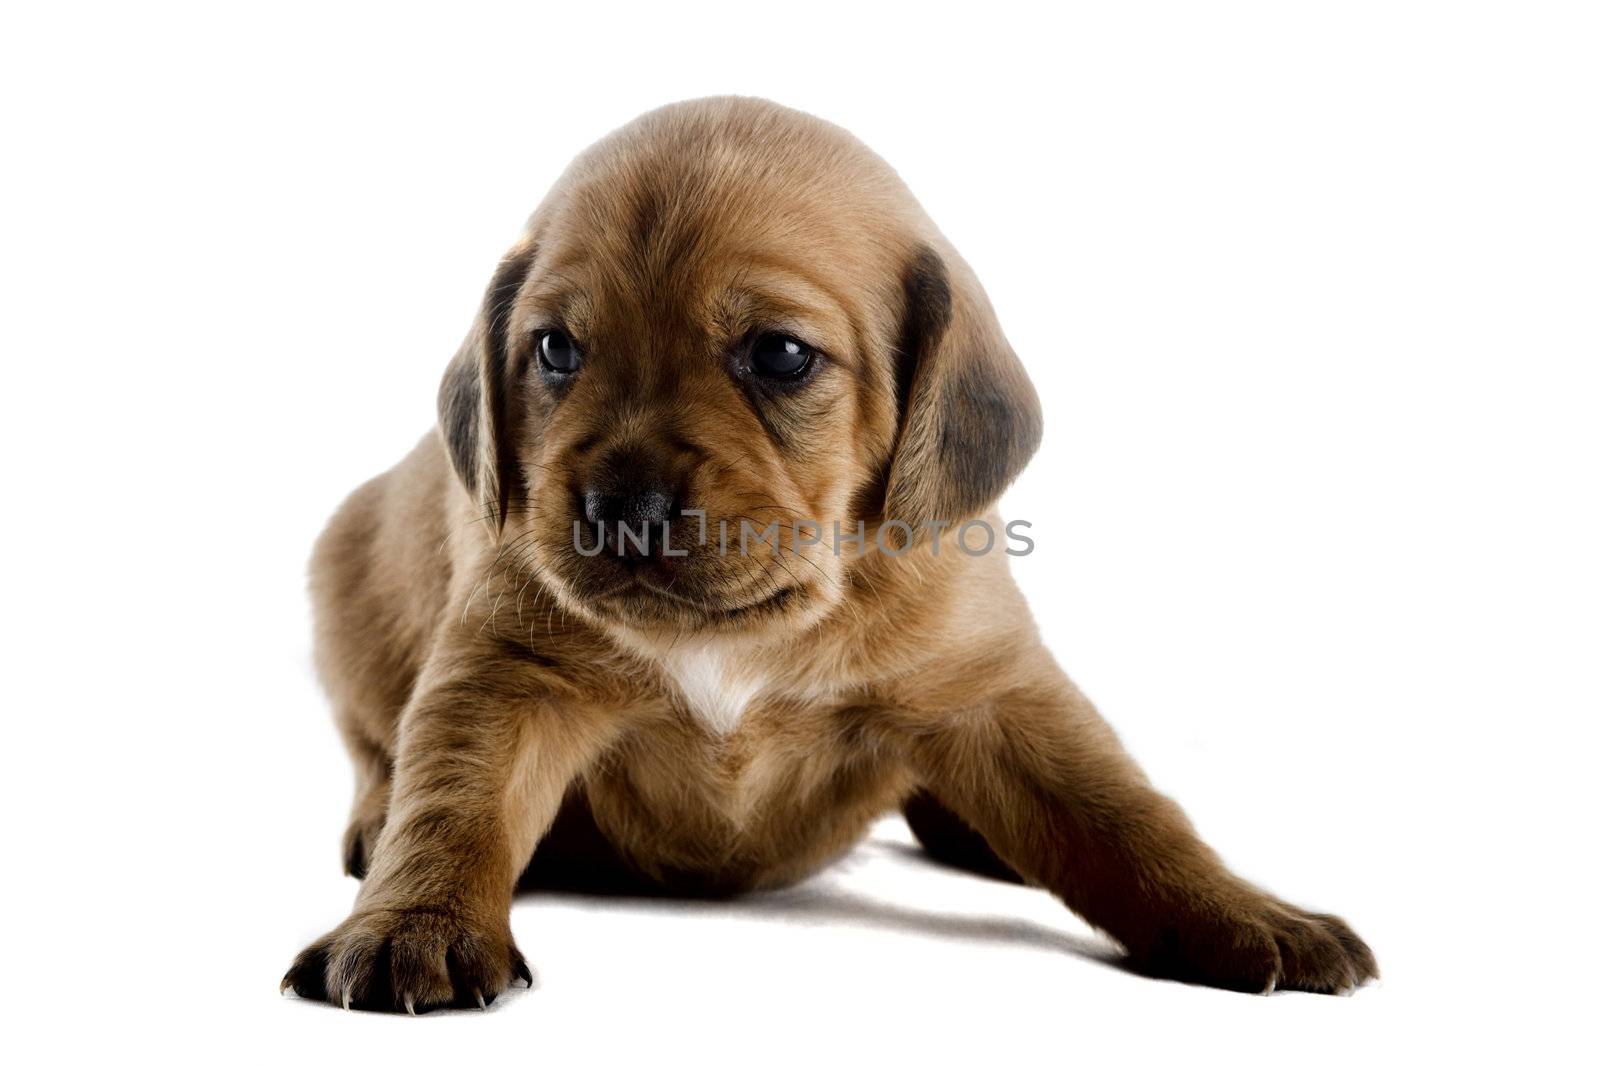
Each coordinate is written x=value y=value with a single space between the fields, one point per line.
x=492 y=683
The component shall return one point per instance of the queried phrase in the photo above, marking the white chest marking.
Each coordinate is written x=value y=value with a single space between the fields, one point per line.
x=716 y=687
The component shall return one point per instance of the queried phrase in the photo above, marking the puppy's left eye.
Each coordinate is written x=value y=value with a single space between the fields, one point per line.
x=558 y=354
x=775 y=355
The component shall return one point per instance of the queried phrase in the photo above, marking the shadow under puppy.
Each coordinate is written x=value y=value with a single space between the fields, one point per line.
x=567 y=615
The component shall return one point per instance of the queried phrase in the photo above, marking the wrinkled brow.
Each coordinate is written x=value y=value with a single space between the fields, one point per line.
x=554 y=300
x=784 y=298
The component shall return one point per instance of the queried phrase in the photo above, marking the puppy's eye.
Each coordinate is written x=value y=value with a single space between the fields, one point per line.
x=557 y=353
x=775 y=355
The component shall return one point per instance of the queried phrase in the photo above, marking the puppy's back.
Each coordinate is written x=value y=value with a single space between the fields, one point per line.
x=380 y=574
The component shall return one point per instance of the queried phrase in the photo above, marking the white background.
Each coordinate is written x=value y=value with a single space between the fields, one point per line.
x=1309 y=292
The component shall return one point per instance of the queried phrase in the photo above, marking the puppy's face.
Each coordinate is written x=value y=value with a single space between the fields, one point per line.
x=689 y=411
x=724 y=335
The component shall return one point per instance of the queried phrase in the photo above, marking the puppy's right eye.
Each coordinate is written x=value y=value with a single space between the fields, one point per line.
x=775 y=355
x=557 y=353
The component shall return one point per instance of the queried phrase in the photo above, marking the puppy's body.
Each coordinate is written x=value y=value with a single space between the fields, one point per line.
x=731 y=311
x=749 y=763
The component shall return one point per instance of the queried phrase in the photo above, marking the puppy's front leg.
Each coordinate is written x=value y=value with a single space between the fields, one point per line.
x=480 y=773
x=1040 y=775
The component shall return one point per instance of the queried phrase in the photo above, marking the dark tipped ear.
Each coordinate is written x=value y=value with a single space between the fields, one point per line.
x=472 y=409
x=969 y=418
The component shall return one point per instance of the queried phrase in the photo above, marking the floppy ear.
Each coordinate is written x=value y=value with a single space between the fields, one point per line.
x=472 y=411
x=969 y=418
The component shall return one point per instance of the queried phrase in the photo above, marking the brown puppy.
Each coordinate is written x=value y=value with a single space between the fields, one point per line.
x=728 y=327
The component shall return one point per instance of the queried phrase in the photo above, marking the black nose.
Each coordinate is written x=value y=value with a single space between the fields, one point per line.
x=634 y=522
x=639 y=508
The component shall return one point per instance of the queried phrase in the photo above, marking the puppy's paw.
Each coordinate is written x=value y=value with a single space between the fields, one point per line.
x=1261 y=945
x=408 y=960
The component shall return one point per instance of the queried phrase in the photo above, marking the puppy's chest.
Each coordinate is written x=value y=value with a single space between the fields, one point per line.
x=716 y=687
x=763 y=739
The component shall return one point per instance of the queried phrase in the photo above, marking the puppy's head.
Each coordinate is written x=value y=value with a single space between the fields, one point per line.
x=728 y=328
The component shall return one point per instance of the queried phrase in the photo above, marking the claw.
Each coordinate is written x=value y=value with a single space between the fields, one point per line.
x=346 y=997
x=524 y=973
x=283 y=985
x=1272 y=985
x=411 y=1005
x=481 y=1004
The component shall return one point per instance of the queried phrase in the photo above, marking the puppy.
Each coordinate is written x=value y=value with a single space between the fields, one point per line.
x=686 y=590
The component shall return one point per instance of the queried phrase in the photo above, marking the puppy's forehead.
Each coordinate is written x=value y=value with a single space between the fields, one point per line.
x=719 y=205
x=721 y=295
x=732 y=164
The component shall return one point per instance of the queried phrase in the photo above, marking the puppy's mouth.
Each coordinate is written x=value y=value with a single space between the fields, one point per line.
x=644 y=600
x=763 y=601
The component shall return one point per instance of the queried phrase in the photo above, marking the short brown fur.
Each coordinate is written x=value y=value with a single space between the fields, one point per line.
x=491 y=682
